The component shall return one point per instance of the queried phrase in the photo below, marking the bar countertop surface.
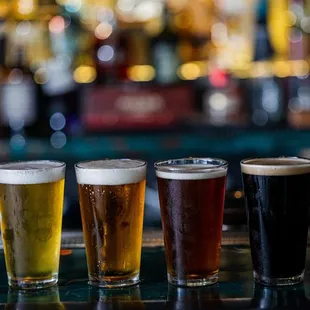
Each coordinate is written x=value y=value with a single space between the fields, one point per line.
x=235 y=290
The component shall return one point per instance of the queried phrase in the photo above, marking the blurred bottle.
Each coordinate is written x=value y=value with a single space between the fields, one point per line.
x=299 y=102
x=232 y=34
x=109 y=51
x=4 y=8
x=164 y=52
x=298 y=37
x=305 y=24
x=139 y=60
x=278 y=23
x=222 y=101
x=19 y=93
x=262 y=46
x=58 y=90
x=266 y=95
x=4 y=128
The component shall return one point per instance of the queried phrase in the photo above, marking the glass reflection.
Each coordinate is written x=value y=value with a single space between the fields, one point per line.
x=193 y=298
x=29 y=300
x=289 y=297
x=110 y=299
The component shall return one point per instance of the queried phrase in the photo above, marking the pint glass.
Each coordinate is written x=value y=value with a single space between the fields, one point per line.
x=277 y=198
x=111 y=195
x=191 y=194
x=31 y=203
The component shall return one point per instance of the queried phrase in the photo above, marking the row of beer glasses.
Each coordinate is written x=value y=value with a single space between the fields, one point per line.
x=191 y=194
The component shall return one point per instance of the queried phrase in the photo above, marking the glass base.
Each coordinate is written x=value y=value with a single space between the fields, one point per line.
x=32 y=284
x=114 y=282
x=194 y=282
x=278 y=281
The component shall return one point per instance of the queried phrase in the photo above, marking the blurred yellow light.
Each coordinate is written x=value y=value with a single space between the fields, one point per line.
x=84 y=74
x=25 y=7
x=282 y=69
x=154 y=27
x=300 y=67
x=291 y=19
x=182 y=21
x=261 y=69
x=141 y=73
x=103 y=31
x=41 y=76
x=4 y=8
x=189 y=71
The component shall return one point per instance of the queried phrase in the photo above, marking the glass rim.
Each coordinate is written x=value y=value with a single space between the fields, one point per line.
x=304 y=162
x=58 y=164
x=291 y=166
x=167 y=165
x=142 y=164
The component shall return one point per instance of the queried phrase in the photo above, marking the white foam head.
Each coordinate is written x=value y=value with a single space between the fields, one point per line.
x=110 y=172
x=32 y=172
x=276 y=166
x=176 y=170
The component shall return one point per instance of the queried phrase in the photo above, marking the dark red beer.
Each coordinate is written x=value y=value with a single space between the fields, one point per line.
x=192 y=201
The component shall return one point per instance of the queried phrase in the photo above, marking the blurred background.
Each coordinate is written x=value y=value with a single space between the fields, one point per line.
x=154 y=79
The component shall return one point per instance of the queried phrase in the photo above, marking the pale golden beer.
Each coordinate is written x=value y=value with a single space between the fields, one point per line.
x=31 y=203
x=111 y=195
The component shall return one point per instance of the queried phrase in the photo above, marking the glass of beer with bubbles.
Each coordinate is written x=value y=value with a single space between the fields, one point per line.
x=111 y=195
x=31 y=203
x=277 y=198
x=191 y=195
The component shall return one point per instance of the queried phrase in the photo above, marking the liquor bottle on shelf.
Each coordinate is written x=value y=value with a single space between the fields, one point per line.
x=262 y=46
x=233 y=32
x=305 y=25
x=19 y=99
x=267 y=101
x=278 y=23
x=299 y=102
x=264 y=90
x=139 y=64
x=105 y=59
x=4 y=128
x=298 y=45
x=223 y=100
x=164 y=52
x=59 y=91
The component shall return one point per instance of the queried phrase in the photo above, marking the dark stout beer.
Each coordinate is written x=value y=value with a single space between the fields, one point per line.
x=192 y=202
x=277 y=195
x=111 y=195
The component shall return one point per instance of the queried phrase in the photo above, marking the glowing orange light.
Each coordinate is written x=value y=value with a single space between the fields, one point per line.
x=103 y=31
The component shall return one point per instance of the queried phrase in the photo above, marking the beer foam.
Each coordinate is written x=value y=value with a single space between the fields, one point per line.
x=110 y=172
x=32 y=172
x=190 y=172
x=276 y=166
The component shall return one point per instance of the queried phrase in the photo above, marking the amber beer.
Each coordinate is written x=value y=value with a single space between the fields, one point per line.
x=191 y=193
x=111 y=195
x=31 y=203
